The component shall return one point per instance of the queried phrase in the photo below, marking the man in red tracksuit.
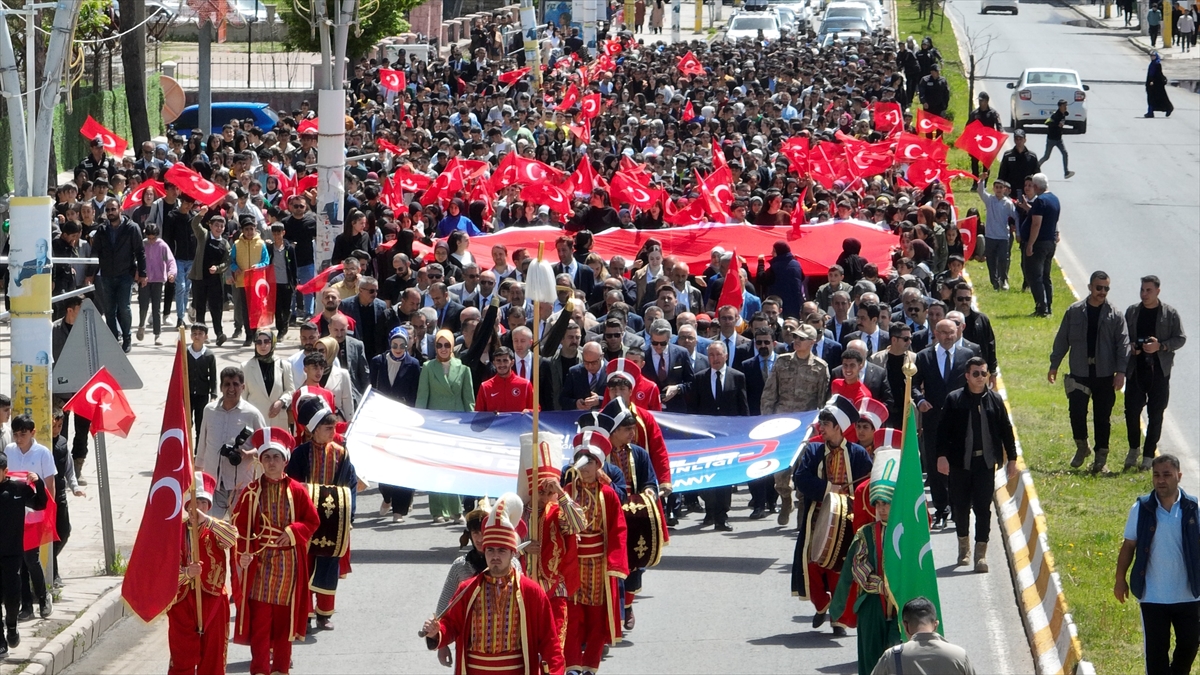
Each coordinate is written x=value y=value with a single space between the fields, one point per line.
x=197 y=652
x=506 y=391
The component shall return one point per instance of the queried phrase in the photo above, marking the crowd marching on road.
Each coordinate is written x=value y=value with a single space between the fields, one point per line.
x=783 y=135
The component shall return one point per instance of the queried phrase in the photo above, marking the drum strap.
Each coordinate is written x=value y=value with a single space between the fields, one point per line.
x=899 y=663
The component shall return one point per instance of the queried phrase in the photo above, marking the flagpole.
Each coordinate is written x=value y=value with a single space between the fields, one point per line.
x=535 y=515
x=194 y=529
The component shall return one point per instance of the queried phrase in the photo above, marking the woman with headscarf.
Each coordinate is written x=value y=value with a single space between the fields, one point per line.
x=455 y=219
x=1156 y=88
x=268 y=381
x=445 y=384
x=850 y=260
x=337 y=379
x=476 y=213
x=396 y=374
x=784 y=278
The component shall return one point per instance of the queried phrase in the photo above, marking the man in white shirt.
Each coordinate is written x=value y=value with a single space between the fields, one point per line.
x=224 y=420
x=26 y=454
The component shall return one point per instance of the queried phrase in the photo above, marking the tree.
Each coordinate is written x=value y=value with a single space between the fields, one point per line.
x=377 y=20
x=133 y=60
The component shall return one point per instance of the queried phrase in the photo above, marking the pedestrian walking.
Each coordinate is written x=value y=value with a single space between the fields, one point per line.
x=926 y=651
x=160 y=269
x=1039 y=240
x=1154 y=19
x=1098 y=341
x=1162 y=542
x=1185 y=28
x=1054 y=132
x=1155 y=334
x=999 y=226
x=1156 y=88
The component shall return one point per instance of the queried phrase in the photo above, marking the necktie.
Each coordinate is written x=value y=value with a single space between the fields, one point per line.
x=717 y=389
x=521 y=367
x=867 y=339
x=766 y=367
x=662 y=370
x=946 y=367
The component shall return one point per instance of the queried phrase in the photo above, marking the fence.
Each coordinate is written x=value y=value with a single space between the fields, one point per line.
x=280 y=70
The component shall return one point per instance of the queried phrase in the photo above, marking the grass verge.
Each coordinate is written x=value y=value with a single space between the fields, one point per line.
x=1085 y=513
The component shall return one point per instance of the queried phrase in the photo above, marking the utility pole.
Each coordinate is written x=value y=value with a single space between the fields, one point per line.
x=31 y=210
x=204 y=53
x=676 y=6
x=533 y=55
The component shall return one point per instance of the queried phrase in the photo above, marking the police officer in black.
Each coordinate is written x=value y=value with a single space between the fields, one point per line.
x=986 y=115
x=96 y=160
x=1018 y=163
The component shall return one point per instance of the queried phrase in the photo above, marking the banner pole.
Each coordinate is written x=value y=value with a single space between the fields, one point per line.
x=535 y=514
x=195 y=529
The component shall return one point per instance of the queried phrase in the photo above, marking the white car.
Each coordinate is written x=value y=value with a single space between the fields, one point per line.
x=746 y=25
x=1036 y=95
x=1011 y=6
x=839 y=11
x=787 y=18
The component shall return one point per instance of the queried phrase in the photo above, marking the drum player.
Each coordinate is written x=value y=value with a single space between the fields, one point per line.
x=826 y=475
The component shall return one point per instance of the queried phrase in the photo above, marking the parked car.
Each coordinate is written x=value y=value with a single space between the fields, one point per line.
x=222 y=113
x=1011 y=6
x=854 y=11
x=746 y=25
x=832 y=27
x=1036 y=95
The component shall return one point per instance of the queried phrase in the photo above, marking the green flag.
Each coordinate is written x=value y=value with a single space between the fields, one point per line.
x=908 y=552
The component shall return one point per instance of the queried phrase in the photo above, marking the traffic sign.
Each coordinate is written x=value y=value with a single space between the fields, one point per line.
x=90 y=345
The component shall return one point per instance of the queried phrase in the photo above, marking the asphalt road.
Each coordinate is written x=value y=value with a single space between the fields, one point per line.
x=1132 y=208
x=718 y=603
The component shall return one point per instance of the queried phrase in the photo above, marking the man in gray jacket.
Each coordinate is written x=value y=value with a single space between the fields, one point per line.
x=1155 y=334
x=1095 y=334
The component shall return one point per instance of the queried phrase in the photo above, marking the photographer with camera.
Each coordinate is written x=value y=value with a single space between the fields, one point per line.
x=221 y=446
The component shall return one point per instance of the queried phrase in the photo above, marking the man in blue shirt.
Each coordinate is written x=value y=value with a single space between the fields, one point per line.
x=1162 y=540
x=1040 y=243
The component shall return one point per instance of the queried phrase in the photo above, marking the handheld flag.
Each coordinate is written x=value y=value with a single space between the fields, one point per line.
x=318 y=282
x=260 y=296
x=731 y=287
x=928 y=123
x=134 y=199
x=392 y=79
x=113 y=144
x=982 y=143
x=193 y=184
x=690 y=65
x=102 y=403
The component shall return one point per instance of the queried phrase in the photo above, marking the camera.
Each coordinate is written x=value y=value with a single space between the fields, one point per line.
x=232 y=451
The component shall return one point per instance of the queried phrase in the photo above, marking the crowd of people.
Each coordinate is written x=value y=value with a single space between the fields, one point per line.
x=409 y=312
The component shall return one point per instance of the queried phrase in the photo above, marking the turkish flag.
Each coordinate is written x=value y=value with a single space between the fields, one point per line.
x=410 y=181
x=193 y=184
x=448 y=182
x=260 y=296
x=583 y=131
x=40 y=523
x=306 y=183
x=731 y=287
x=798 y=211
x=101 y=402
x=113 y=144
x=387 y=146
x=320 y=281
x=690 y=65
x=968 y=231
x=910 y=147
x=552 y=196
x=307 y=125
x=867 y=162
x=530 y=171
x=589 y=106
x=982 y=143
x=287 y=184
x=888 y=117
x=796 y=150
x=585 y=178
x=613 y=48
x=634 y=169
x=928 y=123
x=134 y=199
x=513 y=76
x=628 y=190
x=392 y=79
x=689 y=113
x=152 y=578
x=716 y=210
x=570 y=98
x=718 y=156
x=690 y=214
x=924 y=171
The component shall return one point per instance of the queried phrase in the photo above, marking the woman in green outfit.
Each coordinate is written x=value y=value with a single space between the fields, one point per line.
x=445 y=385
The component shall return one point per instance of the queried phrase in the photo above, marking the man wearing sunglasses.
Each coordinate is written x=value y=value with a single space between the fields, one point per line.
x=1093 y=330
x=975 y=436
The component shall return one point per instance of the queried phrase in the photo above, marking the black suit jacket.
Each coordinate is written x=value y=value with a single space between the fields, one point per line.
x=385 y=321
x=575 y=386
x=752 y=369
x=829 y=351
x=585 y=278
x=839 y=331
x=730 y=400
x=929 y=385
x=404 y=388
x=450 y=316
x=743 y=348
x=920 y=340
x=876 y=379
x=880 y=341
x=679 y=371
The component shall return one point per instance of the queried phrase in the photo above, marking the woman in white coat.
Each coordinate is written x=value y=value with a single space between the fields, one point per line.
x=269 y=382
x=337 y=380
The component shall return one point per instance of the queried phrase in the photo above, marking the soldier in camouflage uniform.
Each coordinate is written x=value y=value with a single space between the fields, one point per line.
x=798 y=382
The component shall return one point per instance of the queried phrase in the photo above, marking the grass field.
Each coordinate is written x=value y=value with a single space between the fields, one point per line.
x=1085 y=513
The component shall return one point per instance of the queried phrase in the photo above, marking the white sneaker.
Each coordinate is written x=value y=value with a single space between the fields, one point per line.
x=384 y=507
x=397 y=518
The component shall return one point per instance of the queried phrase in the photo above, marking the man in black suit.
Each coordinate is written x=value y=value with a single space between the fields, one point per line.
x=738 y=348
x=448 y=310
x=721 y=391
x=840 y=323
x=756 y=370
x=687 y=339
x=868 y=332
x=351 y=355
x=583 y=386
x=582 y=275
x=941 y=368
x=873 y=376
x=668 y=366
x=373 y=319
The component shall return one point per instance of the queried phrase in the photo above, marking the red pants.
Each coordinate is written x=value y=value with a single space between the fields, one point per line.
x=558 y=616
x=587 y=633
x=192 y=652
x=270 y=633
x=821 y=585
x=324 y=604
x=628 y=599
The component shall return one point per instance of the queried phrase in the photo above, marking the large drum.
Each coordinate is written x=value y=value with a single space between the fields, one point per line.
x=645 y=530
x=332 y=536
x=832 y=532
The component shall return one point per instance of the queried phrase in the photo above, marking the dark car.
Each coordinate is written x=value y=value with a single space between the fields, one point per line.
x=223 y=113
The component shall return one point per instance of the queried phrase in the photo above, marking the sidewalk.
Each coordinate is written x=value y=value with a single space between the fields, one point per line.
x=1182 y=68
x=89 y=603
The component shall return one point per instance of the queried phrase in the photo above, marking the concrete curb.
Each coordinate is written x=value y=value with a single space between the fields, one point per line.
x=69 y=646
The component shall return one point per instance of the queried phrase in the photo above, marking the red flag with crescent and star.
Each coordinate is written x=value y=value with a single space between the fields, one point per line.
x=101 y=402
x=134 y=199
x=981 y=142
x=928 y=123
x=731 y=289
x=39 y=523
x=113 y=144
x=690 y=65
x=392 y=79
x=193 y=184
x=260 y=296
x=152 y=578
